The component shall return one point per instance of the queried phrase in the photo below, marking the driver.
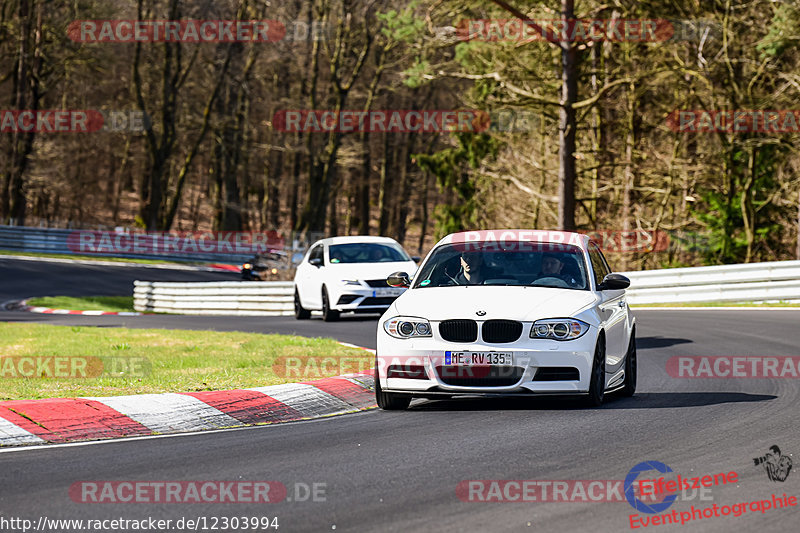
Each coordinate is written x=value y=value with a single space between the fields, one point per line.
x=552 y=266
x=472 y=269
x=375 y=255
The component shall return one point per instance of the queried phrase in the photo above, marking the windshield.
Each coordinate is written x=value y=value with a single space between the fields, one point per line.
x=367 y=253
x=523 y=263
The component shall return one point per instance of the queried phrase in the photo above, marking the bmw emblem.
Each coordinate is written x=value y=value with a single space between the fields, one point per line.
x=480 y=313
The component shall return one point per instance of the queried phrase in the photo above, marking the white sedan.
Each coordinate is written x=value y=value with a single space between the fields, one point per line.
x=511 y=313
x=348 y=274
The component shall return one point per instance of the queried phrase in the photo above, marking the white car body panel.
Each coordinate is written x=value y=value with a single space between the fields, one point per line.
x=604 y=311
x=310 y=280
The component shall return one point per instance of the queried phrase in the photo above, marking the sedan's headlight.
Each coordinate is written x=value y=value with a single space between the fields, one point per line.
x=351 y=282
x=404 y=327
x=560 y=329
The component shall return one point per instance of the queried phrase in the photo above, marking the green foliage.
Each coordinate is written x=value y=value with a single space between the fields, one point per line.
x=783 y=31
x=452 y=168
x=722 y=213
x=414 y=76
x=402 y=26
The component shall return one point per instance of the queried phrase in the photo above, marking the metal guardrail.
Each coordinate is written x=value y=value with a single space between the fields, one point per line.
x=754 y=282
x=270 y=298
x=156 y=247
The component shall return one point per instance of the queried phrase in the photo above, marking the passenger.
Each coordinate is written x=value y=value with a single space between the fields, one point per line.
x=553 y=267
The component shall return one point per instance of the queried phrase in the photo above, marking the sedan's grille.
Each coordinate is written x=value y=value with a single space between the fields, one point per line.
x=377 y=283
x=480 y=376
x=557 y=373
x=498 y=331
x=459 y=330
x=380 y=300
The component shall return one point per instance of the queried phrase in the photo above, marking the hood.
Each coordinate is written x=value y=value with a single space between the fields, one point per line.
x=370 y=270
x=525 y=304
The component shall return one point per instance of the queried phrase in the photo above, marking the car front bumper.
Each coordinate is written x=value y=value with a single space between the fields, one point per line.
x=366 y=300
x=539 y=366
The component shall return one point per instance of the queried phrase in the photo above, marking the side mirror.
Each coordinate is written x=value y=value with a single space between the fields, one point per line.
x=398 y=279
x=614 y=282
x=416 y=258
x=317 y=262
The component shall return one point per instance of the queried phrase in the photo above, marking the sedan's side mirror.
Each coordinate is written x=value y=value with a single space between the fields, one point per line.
x=317 y=262
x=614 y=282
x=398 y=279
x=416 y=258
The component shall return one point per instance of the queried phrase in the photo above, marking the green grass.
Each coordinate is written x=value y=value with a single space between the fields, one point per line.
x=85 y=303
x=100 y=258
x=720 y=304
x=163 y=360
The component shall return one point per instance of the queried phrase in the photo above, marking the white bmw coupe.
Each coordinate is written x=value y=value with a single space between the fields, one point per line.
x=507 y=313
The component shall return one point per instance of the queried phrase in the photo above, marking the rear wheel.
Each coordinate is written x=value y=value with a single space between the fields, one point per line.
x=388 y=401
x=629 y=388
x=300 y=313
x=597 y=380
x=328 y=314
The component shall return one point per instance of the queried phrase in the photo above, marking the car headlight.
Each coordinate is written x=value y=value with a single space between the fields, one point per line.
x=247 y=266
x=402 y=327
x=351 y=282
x=560 y=329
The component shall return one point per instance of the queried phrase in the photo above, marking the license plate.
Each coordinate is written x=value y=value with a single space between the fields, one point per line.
x=387 y=292
x=479 y=358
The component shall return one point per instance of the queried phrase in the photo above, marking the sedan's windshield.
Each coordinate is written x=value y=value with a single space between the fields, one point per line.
x=523 y=263
x=366 y=253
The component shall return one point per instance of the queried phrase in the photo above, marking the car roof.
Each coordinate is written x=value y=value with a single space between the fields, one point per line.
x=513 y=235
x=356 y=239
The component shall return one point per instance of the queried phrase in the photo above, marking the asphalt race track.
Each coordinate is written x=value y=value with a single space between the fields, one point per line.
x=398 y=471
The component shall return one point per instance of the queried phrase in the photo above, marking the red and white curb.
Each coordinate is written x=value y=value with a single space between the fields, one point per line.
x=347 y=344
x=23 y=306
x=58 y=420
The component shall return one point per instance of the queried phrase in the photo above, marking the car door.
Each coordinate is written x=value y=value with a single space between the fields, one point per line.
x=310 y=286
x=613 y=310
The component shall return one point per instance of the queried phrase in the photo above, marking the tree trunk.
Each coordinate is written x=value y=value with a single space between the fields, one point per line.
x=567 y=125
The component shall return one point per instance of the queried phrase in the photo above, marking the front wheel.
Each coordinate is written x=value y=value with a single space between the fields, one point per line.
x=388 y=401
x=629 y=388
x=300 y=313
x=328 y=314
x=597 y=380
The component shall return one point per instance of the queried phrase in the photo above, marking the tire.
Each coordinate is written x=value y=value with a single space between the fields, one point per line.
x=300 y=313
x=388 y=401
x=597 y=380
x=328 y=314
x=631 y=367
